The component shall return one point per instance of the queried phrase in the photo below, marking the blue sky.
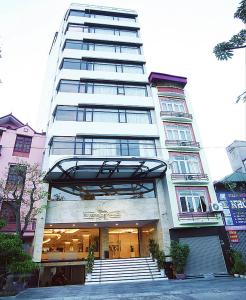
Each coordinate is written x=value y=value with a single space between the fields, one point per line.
x=178 y=37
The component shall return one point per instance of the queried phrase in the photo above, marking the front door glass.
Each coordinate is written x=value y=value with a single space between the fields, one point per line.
x=123 y=243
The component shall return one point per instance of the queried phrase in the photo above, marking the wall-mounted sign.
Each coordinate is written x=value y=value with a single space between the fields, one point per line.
x=233 y=236
x=234 y=206
x=102 y=214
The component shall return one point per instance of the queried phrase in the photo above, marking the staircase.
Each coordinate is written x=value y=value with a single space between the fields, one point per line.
x=124 y=270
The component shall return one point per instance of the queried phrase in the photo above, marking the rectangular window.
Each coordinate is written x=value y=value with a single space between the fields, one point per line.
x=63 y=146
x=16 y=175
x=69 y=63
x=173 y=105
x=23 y=144
x=70 y=86
x=79 y=45
x=193 y=200
x=89 y=114
x=179 y=132
x=185 y=164
x=103 y=146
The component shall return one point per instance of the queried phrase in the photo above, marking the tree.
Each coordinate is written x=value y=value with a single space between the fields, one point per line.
x=224 y=50
x=13 y=259
x=20 y=191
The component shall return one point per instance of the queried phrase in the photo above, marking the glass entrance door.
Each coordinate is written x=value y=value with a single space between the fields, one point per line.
x=123 y=243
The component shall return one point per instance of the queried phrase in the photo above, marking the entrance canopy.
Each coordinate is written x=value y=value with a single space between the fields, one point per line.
x=79 y=169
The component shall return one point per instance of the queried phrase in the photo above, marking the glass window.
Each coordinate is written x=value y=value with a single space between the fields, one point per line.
x=105 y=115
x=23 y=144
x=179 y=132
x=138 y=117
x=75 y=27
x=68 y=86
x=63 y=146
x=105 y=89
x=135 y=91
x=76 y=13
x=104 y=30
x=129 y=33
x=69 y=63
x=185 y=164
x=16 y=175
x=173 y=105
x=130 y=50
x=133 y=69
x=72 y=44
x=104 y=48
x=193 y=201
x=66 y=113
x=104 y=67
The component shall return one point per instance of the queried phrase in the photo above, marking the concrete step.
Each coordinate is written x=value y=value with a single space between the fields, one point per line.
x=126 y=277
x=107 y=275
x=116 y=260
x=125 y=280
x=130 y=269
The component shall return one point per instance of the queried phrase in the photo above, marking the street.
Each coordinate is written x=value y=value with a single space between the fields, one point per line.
x=192 y=289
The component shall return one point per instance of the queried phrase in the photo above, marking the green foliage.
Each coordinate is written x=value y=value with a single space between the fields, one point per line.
x=179 y=253
x=90 y=259
x=153 y=248
x=2 y=223
x=239 y=267
x=224 y=50
x=156 y=253
x=12 y=256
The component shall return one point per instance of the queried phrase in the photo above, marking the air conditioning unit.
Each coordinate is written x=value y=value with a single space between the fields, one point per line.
x=183 y=143
x=189 y=177
x=216 y=207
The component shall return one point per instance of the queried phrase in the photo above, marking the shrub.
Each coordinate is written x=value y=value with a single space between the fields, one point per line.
x=239 y=267
x=179 y=253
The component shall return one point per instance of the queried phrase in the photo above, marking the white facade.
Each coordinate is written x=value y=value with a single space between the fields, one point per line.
x=127 y=72
x=103 y=110
x=237 y=155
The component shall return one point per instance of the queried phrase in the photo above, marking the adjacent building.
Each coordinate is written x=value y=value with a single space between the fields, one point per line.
x=193 y=211
x=123 y=161
x=18 y=143
x=231 y=194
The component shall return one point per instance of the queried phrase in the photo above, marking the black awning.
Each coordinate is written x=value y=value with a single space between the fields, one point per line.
x=80 y=169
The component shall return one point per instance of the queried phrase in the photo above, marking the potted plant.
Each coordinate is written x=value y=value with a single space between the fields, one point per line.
x=153 y=249
x=239 y=267
x=179 y=253
x=161 y=261
x=90 y=262
x=157 y=255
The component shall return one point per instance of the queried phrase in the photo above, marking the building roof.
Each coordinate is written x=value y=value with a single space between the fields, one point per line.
x=234 y=177
x=11 y=122
x=155 y=78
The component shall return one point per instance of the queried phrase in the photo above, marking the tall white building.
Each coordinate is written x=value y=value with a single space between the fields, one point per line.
x=106 y=154
x=103 y=155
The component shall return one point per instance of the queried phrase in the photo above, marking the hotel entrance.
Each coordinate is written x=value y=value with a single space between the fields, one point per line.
x=123 y=243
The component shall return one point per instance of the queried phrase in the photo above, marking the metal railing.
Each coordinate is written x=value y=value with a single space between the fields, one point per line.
x=182 y=143
x=176 y=114
x=189 y=176
x=197 y=215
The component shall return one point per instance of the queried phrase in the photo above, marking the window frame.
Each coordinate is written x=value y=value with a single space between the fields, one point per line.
x=26 y=144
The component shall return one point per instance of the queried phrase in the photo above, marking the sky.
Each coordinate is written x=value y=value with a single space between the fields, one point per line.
x=178 y=37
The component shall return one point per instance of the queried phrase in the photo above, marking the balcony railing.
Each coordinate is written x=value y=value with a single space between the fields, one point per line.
x=11 y=227
x=176 y=114
x=180 y=143
x=196 y=217
x=187 y=177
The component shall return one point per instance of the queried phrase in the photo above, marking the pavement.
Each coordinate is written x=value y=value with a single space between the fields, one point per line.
x=190 y=289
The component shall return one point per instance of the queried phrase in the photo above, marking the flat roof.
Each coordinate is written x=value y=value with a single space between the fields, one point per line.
x=156 y=77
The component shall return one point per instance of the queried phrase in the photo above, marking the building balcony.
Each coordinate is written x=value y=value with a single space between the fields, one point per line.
x=180 y=145
x=102 y=37
x=176 y=116
x=11 y=227
x=198 y=218
x=191 y=178
x=95 y=21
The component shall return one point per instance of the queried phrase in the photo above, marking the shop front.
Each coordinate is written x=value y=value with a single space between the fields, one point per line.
x=72 y=244
x=110 y=204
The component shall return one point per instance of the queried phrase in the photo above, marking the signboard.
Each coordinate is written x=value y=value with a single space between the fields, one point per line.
x=233 y=236
x=102 y=214
x=234 y=207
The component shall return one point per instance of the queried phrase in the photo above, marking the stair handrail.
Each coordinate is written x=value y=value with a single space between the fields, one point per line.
x=147 y=261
